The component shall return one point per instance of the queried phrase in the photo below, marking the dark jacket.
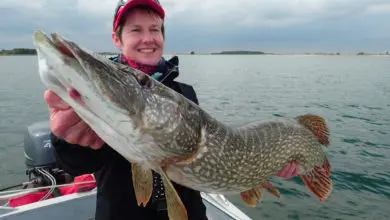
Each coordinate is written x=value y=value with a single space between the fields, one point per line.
x=115 y=195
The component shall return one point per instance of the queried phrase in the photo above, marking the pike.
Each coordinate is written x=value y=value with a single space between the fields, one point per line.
x=156 y=128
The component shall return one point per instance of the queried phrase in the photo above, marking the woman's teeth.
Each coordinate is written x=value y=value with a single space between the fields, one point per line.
x=146 y=50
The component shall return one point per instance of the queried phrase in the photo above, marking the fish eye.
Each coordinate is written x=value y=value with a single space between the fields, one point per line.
x=144 y=81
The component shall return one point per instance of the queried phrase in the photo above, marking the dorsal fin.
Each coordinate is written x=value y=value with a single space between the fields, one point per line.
x=317 y=125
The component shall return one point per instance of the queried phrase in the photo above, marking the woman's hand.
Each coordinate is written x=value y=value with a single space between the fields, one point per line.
x=66 y=124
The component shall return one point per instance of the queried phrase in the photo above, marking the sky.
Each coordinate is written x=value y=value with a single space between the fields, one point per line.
x=212 y=25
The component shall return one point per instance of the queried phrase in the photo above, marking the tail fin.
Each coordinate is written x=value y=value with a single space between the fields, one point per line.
x=318 y=181
x=317 y=125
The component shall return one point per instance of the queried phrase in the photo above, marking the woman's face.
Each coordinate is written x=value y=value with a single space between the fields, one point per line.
x=142 y=38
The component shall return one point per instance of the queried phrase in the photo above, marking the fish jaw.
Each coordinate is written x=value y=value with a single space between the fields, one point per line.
x=50 y=62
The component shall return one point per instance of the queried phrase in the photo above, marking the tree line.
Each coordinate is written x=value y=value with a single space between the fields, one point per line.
x=18 y=51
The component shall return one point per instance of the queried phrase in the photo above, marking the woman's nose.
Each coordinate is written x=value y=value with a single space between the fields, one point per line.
x=147 y=37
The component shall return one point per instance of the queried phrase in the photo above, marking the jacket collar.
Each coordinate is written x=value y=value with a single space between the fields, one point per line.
x=166 y=70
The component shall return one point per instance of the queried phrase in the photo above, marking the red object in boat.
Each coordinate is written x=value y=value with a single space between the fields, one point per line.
x=65 y=190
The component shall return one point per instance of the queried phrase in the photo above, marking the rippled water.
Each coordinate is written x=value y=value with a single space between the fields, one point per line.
x=351 y=92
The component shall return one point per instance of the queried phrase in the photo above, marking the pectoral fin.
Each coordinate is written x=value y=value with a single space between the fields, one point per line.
x=176 y=209
x=142 y=183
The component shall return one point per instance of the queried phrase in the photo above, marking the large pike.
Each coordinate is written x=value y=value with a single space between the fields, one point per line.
x=154 y=127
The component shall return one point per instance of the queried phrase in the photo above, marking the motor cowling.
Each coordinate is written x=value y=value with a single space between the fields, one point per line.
x=42 y=169
x=40 y=158
x=38 y=149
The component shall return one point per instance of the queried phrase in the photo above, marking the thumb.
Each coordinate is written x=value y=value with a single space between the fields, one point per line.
x=54 y=101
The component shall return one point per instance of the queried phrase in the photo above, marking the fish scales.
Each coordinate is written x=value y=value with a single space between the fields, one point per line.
x=260 y=146
x=156 y=128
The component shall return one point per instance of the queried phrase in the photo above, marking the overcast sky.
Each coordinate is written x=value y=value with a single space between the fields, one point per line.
x=213 y=25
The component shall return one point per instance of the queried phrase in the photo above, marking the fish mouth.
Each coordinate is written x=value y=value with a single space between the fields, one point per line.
x=57 y=80
x=64 y=66
x=47 y=47
x=69 y=53
x=41 y=40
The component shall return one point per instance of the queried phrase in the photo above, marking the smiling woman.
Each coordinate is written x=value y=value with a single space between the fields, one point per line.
x=139 y=35
x=138 y=32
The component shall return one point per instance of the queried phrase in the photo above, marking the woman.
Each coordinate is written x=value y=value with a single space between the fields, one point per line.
x=138 y=32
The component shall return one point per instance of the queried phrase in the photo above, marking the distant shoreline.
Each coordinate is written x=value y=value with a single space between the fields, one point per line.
x=241 y=52
x=31 y=52
x=246 y=52
x=18 y=51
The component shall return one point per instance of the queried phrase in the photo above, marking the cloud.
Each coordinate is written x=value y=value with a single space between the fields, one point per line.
x=264 y=13
x=212 y=25
x=285 y=25
x=36 y=4
x=102 y=8
x=379 y=8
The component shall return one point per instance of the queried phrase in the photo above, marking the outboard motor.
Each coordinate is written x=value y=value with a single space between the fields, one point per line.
x=40 y=159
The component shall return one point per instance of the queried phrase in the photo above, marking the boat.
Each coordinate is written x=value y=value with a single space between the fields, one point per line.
x=44 y=175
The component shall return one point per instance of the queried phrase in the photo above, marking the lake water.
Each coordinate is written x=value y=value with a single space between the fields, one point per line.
x=351 y=92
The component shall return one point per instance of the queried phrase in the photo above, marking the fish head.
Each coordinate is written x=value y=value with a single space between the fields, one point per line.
x=127 y=108
x=64 y=65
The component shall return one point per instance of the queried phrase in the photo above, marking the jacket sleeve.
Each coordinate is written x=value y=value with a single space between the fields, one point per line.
x=189 y=92
x=77 y=160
